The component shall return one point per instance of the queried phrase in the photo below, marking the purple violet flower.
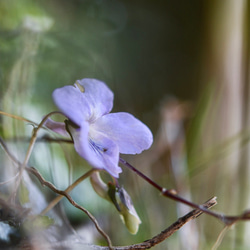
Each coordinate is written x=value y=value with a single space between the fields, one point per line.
x=99 y=136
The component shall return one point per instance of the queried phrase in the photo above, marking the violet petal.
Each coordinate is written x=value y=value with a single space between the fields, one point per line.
x=88 y=103
x=57 y=127
x=97 y=149
x=131 y=135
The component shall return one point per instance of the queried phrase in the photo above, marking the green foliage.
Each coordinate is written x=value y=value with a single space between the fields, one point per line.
x=12 y=12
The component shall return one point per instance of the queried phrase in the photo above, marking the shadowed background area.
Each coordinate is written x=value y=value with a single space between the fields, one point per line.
x=180 y=67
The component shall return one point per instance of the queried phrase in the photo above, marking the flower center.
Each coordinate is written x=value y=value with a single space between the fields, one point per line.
x=97 y=147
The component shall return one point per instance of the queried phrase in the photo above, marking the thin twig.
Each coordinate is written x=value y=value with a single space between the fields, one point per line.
x=20 y=118
x=171 y=229
x=226 y=219
x=44 y=138
x=29 y=151
x=172 y=194
x=60 y=192
x=65 y=194
x=67 y=190
x=156 y=239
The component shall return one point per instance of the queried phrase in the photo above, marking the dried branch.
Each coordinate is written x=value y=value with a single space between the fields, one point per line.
x=67 y=190
x=172 y=194
x=65 y=194
x=60 y=192
x=161 y=236
x=170 y=230
x=146 y=244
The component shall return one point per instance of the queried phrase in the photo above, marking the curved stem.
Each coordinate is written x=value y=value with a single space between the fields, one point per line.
x=29 y=151
x=20 y=118
x=65 y=194
x=67 y=190
x=60 y=192
x=170 y=193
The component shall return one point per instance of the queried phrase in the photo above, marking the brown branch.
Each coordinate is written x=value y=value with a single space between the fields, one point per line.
x=171 y=229
x=161 y=236
x=67 y=190
x=146 y=244
x=45 y=138
x=65 y=194
x=226 y=219
x=199 y=209
x=60 y=192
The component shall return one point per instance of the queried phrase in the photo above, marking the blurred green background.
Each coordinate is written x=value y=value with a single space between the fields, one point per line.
x=182 y=67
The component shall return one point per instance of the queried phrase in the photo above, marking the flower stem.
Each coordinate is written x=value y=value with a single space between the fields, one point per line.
x=141 y=174
x=170 y=193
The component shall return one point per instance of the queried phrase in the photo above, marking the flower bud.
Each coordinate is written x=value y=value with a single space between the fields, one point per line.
x=120 y=198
